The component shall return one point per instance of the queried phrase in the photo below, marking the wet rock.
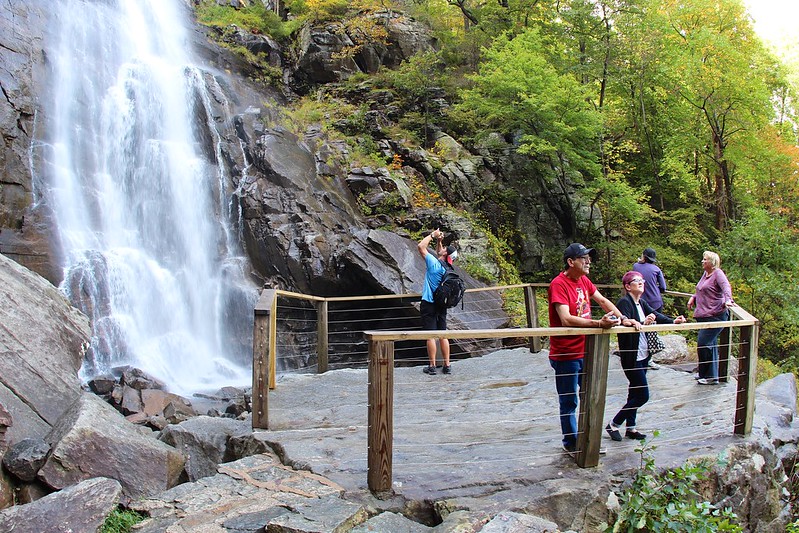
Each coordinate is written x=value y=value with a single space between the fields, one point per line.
x=138 y=379
x=26 y=457
x=103 y=384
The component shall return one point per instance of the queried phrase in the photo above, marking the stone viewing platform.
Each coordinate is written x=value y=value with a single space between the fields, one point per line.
x=478 y=450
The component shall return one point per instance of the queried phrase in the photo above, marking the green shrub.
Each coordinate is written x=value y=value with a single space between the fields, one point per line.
x=668 y=501
x=121 y=521
x=254 y=18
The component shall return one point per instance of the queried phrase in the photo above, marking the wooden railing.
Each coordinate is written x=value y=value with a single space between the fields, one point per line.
x=381 y=366
x=592 y=392
x=265 y=334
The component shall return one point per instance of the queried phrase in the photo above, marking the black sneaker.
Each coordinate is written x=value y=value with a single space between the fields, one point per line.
x=431 y=370
x=634 y=434
x=613 y=432
x=447 y=369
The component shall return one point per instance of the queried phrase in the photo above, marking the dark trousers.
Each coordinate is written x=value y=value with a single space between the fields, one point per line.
x=637 y=394
x=707 y=346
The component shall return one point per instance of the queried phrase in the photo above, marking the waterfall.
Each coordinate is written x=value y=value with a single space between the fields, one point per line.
x=143 y=211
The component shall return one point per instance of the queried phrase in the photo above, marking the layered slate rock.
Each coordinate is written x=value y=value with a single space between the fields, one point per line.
x=249 y=493
x=93 y=440
x=83 y=507
x=204 y=440
x=25 y=232
x=26 y=457
x=41 y=349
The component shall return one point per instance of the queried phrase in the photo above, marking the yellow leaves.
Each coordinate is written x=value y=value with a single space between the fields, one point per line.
x=424 y=197
x=396 y=162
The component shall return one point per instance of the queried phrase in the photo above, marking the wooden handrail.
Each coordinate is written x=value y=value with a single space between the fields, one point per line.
x=410 y=335
x=592 y=393
x=301 y=296
x=381 y=357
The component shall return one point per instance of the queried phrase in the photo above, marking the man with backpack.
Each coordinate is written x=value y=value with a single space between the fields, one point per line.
x=434 y=317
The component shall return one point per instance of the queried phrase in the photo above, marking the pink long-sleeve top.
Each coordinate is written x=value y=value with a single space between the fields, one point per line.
x=712 y=294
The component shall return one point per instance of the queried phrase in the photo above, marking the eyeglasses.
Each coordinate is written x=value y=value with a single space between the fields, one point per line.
x=637 y=280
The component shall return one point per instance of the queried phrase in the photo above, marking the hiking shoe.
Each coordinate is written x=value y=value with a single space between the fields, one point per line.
x=614 y=432
x=707 y=381
x=633 y=434
x=431 y=370
x=447 y=369
x=653 y=365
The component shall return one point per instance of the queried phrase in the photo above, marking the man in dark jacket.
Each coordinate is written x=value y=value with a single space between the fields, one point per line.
x=635 y=353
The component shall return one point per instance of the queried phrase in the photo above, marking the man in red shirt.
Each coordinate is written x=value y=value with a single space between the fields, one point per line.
x=570 y=306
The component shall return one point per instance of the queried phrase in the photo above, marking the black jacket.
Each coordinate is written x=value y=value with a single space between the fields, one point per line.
x=628 y=342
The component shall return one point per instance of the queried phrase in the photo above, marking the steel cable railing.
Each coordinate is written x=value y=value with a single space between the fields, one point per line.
x=343 y=335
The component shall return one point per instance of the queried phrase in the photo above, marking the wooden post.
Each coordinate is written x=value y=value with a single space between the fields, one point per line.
x=321 y=337
x=381 y=415
x=725 y=353
x=273 y=344
x=531 y=306
x=262 y=339
x=747 y=372
x=592 y=399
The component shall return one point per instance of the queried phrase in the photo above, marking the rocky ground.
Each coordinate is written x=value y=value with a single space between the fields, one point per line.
x=476 y=449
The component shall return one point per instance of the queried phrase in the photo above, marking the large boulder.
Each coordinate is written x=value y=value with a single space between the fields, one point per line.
x=83 y=507
x=205 y=441
x=322 y=51
x=41 y=349
x=94 y=440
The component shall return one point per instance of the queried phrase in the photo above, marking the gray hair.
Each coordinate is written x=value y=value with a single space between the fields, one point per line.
x=713 y=257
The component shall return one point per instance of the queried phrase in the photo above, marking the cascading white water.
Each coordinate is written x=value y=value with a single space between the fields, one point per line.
x=141 y=211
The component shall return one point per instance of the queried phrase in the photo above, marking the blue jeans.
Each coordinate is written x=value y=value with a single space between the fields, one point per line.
x=707 y=346
x=568 y=379
x=637 y=394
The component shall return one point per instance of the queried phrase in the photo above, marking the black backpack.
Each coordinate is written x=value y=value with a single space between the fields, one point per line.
x=450 y=291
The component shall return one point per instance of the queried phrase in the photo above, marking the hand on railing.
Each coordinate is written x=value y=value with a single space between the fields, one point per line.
x=609 y=320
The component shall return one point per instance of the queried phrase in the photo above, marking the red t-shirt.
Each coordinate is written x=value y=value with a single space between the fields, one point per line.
x=577 y=295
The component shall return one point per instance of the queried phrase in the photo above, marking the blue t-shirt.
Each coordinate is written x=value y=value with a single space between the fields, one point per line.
x=432 y=278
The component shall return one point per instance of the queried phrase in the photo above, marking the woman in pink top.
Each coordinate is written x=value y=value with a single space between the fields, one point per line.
x=712 y=299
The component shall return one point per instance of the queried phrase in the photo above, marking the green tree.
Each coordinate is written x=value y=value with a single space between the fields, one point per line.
x=758 y=254
x=520 y=94
x=415 y=81
x=717 y=78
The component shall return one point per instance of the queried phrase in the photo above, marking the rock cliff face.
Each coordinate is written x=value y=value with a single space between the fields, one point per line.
x=301 y=221
x=24 y=228
x=294 y=206
x=38 y=364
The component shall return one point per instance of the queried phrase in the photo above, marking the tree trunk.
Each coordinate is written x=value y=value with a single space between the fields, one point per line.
x=722 y=193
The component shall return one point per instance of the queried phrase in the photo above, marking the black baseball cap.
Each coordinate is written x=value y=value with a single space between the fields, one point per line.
x=649 y=253
x=576 y=249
